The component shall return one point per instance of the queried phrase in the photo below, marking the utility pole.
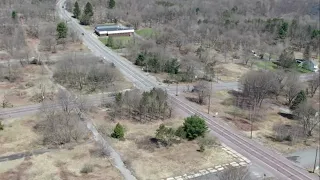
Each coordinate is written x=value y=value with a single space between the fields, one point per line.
x=315 y=160
x=177 y=88
x=252 y=118
x=209 y=104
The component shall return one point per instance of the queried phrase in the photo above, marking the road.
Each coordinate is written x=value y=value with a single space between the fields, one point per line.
x=276 y=163
x=257 y=153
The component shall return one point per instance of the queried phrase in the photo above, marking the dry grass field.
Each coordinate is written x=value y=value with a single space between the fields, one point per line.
x=62 y=163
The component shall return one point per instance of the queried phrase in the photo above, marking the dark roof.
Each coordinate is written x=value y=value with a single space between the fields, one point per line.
x=111 y=28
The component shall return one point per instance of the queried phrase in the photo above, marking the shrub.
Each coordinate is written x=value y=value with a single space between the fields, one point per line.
x=202 y=148
x=194 y=127
x=301 y=97
x=165 y=135
x=118 y=132
x=87 y=168
x=1 y=126
x=180 y=132
x=140 y=60
x=208 y=142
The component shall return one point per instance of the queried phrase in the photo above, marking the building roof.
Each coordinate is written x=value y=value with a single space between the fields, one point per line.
x=111 y=28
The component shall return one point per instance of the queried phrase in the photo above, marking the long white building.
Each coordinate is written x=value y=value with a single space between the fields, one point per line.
x=115 y=30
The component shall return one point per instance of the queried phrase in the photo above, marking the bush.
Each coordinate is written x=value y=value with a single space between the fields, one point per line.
x=208 y=142
x=118 y=132
x=165 y=135
x=202 y=148
x=180 y=132
x=301 y=97
x=1 y=126
x=87 y=168
x=194 y=127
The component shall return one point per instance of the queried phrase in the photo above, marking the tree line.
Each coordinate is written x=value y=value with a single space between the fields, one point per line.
x=143 y=107
x=85 y=74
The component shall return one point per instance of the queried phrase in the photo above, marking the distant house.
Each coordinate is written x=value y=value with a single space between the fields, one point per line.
x=114 y=30
x=311 y=65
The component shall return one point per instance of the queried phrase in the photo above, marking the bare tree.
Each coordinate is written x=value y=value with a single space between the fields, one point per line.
x=257 y=85
x=202 y=88
x=292 y=87
x=62 y=124
x=287 y=59
x=314 y=84
x=83 y=74
x=308 y=116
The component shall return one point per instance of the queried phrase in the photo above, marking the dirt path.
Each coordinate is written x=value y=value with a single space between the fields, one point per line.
x=24 y=154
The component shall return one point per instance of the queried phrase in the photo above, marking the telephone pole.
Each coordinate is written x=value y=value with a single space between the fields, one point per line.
x=177 y=88
x=209 y=104
x=315 y=160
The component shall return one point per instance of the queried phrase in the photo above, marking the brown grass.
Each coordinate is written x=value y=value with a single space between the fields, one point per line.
x=18 y=135
x=20 y=93
x=151 y=162
x=64 y=164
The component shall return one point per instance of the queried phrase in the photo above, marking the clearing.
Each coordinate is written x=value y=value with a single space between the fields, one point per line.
x=66 y=162
x=146 y=160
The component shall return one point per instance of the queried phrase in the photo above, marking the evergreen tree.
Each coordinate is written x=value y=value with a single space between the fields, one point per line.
x=13 y=14
x=194 y=127
x=172 y=66
x=112 y=4
x=315 y=33
x=118 y=132
x=88 y=10
x=85 y=19
x=283 y=30
x=301 y=97
x=76 y=10
x=110 y=42
x=140 y=61
x=62 y=30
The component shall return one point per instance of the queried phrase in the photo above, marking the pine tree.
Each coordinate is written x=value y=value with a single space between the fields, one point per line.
x=140 y=61
x=85 y=19
x=88 y=9
x=301 y=97
x=13 y=14
x=76 y=10
x=112 y=4
x=194 y=127
x=62 y=30
x=283 y=30
x=118 y=132
x=110 y=42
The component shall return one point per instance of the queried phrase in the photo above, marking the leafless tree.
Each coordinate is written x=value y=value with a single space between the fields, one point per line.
x=62 y=124
x=257 y=85
x=292 y=87
x=308 y=116
x=84 y=74
x=314 y=84
x=148 y=106
x=202 y=89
